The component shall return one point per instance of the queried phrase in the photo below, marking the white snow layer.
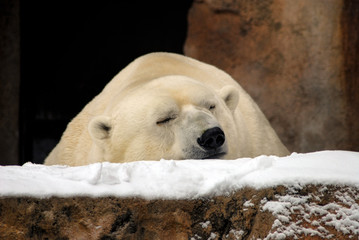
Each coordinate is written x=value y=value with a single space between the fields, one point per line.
x=183 y=179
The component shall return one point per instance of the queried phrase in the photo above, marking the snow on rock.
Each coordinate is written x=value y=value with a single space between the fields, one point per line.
x=302 y=196
x=310 y=215
x=186 y=179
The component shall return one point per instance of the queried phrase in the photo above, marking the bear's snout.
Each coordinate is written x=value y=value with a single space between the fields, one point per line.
x=212 y=139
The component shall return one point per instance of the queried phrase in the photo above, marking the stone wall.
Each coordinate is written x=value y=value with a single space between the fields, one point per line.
x=300 y=212
x=298 y=59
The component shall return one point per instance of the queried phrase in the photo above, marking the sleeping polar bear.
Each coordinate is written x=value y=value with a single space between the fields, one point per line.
x=164 y=105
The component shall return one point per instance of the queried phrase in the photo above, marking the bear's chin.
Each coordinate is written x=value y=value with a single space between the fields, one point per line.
x=216 y=156
x=199 y=153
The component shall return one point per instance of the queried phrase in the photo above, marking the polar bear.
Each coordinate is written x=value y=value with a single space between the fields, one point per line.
x=167 y=106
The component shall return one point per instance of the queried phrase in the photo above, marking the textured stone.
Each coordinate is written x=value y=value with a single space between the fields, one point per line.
x=297 y=59
x=302 y=212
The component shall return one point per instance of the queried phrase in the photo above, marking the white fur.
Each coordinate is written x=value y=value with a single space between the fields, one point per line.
x=125 y=121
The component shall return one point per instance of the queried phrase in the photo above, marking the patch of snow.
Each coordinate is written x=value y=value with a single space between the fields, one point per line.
x=212 y=236
x=187 y=179
x=205 y=224
x=236 y=234
x=248 y=204
x=196 y=237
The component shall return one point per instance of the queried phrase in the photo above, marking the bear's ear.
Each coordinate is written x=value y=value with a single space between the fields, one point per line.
x=100 y=127
x=230 y=96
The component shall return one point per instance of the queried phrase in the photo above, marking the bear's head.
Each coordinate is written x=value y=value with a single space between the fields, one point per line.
x=172 y=117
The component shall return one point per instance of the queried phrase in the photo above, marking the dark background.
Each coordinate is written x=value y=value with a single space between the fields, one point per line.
x=70 y=50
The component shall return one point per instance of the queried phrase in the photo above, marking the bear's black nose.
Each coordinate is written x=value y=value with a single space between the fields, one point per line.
x=211 y=139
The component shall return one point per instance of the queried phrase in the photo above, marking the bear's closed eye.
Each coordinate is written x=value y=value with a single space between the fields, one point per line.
x=164 y=120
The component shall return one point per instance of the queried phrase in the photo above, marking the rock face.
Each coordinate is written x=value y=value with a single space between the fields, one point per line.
x=298 y=59
x=300 y=212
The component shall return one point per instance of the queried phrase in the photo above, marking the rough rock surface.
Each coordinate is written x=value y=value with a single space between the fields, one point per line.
x=283 y=212
x=298 y=59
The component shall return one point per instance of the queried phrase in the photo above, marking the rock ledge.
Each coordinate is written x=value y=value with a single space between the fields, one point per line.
x=283 y=212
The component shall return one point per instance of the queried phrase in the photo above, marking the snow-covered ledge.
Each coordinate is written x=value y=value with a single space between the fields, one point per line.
x=302 y=195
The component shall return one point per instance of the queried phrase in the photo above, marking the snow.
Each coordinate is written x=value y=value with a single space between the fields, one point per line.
x=204 y=224
x=187 y=179
x=248 y=204
x=235 y=234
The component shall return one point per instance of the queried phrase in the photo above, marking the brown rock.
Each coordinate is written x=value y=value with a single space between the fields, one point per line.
x=298 y=59
x=302 y=212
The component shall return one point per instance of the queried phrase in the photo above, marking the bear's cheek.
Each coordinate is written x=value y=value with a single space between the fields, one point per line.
x=165 y=137
x=234 y=137
x=155 y=142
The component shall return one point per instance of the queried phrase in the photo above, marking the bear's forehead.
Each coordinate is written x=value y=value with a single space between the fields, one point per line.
x=167 y=92
x=174 y=81
x=182 y=93
x=178 y=86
